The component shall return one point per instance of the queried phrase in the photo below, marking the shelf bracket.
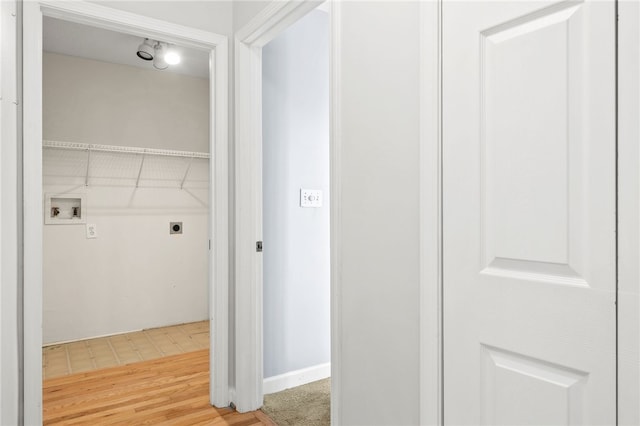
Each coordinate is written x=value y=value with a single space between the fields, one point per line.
x=186 y=173
x=86 y=176
x=140 y=171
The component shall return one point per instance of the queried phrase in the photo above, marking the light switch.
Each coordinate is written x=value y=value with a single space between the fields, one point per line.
x=310 y=198
x=92 y=230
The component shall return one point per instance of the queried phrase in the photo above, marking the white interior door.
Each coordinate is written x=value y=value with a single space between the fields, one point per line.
x=529 y=199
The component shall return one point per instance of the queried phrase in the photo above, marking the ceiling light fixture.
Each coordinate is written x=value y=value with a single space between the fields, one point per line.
x=162 y=54
x=158 y=58
x=145 y=50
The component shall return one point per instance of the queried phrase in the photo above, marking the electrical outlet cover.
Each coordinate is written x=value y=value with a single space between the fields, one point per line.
x=92 y=230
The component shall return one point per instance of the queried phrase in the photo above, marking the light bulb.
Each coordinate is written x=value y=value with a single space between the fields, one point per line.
x=172 y=57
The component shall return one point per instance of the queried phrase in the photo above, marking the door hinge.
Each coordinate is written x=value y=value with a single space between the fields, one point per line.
x=259 y=246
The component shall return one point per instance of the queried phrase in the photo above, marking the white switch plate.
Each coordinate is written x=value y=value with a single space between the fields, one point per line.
x=92 y=230
x=310 y=198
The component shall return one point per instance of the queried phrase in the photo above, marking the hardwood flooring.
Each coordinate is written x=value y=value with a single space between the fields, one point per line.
x=173 y=390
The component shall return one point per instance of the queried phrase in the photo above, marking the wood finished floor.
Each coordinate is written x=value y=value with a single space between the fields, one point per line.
x=173 y=390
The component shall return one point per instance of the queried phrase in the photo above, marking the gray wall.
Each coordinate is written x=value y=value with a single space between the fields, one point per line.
x=296 y=155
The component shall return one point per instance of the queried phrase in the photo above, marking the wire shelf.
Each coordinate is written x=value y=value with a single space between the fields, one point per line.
x=122 y=149
x=107 y=165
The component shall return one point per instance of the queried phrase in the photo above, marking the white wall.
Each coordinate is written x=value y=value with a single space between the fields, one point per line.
x=245 y=10
x=214 y=16
x=296 y=286
x=9 y=347
x=379 y=115
x=100 y=103
x=134 y=275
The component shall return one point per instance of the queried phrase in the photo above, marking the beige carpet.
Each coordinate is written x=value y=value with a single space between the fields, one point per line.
x=307 y=405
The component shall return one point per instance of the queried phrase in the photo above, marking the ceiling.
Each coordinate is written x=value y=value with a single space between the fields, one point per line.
x=83 y=41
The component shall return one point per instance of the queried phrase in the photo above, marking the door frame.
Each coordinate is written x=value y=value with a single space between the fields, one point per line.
x=628 y=212
x=628 y=246
x=116 y=20
x=431 y=376
x=249 y=41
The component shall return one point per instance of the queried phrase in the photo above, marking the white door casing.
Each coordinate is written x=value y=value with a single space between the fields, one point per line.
x=430 y=215
x=628 y=210
x=108 y=18
x=529 y=205
x=249 y=41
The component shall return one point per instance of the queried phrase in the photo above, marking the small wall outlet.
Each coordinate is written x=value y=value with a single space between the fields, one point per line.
x=175 y=228
x=310 y=198
x=92 y=230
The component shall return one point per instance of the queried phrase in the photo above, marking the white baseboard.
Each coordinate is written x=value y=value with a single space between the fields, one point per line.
x=100 y=336
x=296 y=378
x=232 y=396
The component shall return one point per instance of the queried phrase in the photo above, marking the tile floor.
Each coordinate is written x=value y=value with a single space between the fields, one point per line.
x=93 y=354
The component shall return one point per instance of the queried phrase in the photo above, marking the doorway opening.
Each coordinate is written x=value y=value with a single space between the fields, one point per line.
x=107 y=176
x=125 y=190
x=126 y=178
x=250 y=383
x=296 y=231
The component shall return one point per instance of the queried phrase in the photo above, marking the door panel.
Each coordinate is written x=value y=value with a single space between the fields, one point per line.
x=529 y=212
x=509 y=380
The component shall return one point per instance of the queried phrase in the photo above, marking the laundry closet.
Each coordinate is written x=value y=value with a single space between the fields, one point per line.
x=125 y=186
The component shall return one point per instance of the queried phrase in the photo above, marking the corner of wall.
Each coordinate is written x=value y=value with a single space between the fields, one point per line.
x=10 y=351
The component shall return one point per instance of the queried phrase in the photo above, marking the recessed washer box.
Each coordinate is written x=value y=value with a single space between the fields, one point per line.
x=64 y=209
